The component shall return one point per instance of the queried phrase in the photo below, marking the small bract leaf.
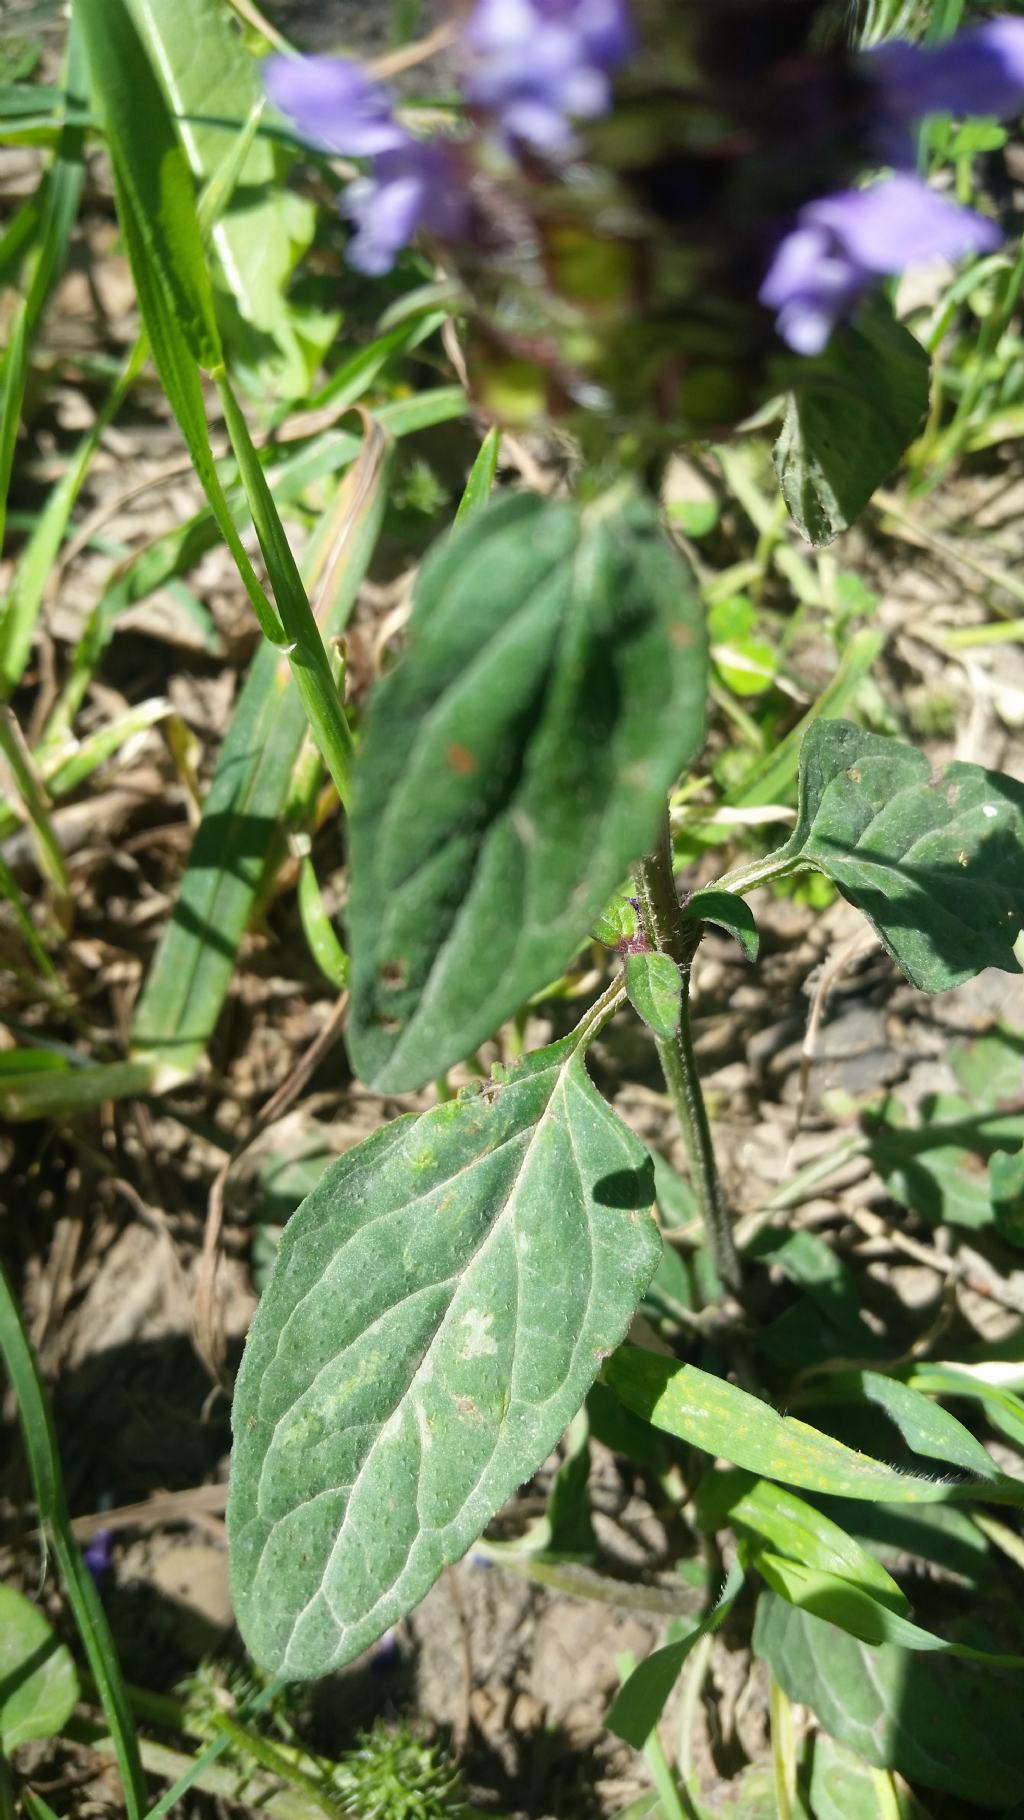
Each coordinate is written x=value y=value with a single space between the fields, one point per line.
x=655 y=987
x=440 y=1306
x=515 y=765
x=726 y=911
x=618 y=923
x=38 y=1682
x=936 y=863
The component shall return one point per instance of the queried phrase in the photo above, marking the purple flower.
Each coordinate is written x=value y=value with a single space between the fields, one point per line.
x=539 y=64
x=840 y=245
x=979 y=72
x=410 y=184
x=97 y=1555
x=334 y=103
x=411 y=187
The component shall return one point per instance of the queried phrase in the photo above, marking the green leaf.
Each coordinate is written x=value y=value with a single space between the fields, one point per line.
x=213 y=84
x=732 y=1425
x=515 y=764
x=945 y=1723
x=188 y=979
x=641 y=1700
x=793 y=1527
x=654 y=985
x=440 y=1306
x=481 y=477
x=79 y=1586
x=855 y=412
x=38 y=1683
x=569 y=1520
x=925 y=1426
x=153 y=173
x=157 y=210
x=1006 y=1179
x=726 y=911
x=940 y=1167
x=772 y=778
x=1001 y=1406
x=936 y=863
x=860 y=1615
x=618 y=923
x=844 y=1787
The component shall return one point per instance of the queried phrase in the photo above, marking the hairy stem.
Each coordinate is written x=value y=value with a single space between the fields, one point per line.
x=666 y=930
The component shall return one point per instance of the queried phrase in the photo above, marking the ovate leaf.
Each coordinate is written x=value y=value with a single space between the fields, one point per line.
x=655 y=988
x=619 y=923
x=440 y=1305
x=38 y=1682
x=935 y=862
x=938 y=1720
x=515 y=764
x=726 y=911
x=845 y=428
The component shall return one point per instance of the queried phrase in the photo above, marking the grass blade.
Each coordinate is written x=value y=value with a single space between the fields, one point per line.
x=83 y=1598
x=182 y=997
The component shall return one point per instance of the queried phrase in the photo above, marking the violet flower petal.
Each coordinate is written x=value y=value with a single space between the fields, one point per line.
x=978 y=72
x=900 y=221
x=539 y=64
x=412 y=187
x=840 y=245
x=334 y=103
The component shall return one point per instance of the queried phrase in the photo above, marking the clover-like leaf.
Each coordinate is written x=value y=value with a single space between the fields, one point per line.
x=441 y=1303
x=934 y=861
x=515 y=765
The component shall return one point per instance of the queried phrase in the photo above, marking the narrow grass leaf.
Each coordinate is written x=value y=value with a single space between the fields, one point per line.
x=157 y=209
x=318 y=929
x=261 y=229
x=481 y=476
x=772 y=779
x=187 y=982
x=925 y=1426
x=79 y=1587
